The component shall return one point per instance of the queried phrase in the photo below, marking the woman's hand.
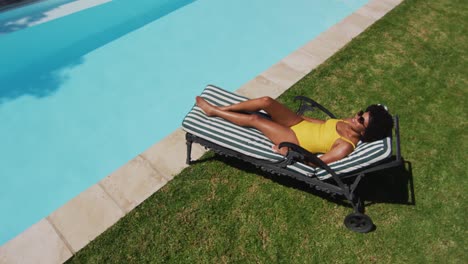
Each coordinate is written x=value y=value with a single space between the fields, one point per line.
x=283 y=151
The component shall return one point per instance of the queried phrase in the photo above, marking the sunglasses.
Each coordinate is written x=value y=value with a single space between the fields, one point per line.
x=361 y=118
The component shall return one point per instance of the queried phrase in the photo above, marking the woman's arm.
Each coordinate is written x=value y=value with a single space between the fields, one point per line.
x=339 y=150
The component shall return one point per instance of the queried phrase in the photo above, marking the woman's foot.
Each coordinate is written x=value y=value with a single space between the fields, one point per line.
x=208 y=108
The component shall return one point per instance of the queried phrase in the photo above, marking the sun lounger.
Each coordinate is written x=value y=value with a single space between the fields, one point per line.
x=248 y=144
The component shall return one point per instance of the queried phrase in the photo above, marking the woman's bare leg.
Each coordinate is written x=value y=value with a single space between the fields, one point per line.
x=276 y=132
x=278 y=112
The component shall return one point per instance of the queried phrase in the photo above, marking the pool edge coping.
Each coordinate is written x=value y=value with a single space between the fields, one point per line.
x=56 y=238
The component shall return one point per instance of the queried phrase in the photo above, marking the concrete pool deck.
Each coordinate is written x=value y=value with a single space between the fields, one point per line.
x=64 y=232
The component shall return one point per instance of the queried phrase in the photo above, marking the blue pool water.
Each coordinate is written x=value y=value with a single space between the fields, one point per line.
x=83 y=94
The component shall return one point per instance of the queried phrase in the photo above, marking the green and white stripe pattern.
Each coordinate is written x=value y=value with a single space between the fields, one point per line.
x=253 y=143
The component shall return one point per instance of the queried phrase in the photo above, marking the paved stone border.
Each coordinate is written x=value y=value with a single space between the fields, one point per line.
x=57 y=237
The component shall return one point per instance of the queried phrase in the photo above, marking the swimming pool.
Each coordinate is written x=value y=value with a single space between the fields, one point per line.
x=83 y=94
x=28 y=14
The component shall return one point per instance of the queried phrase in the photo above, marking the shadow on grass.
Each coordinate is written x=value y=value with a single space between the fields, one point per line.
x=393 y=185
x=389 y=186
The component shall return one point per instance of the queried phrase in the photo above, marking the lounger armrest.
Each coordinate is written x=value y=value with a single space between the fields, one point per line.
x=308 y=104
x=308 y=156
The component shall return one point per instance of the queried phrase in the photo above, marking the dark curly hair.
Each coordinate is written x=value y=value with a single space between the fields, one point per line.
x=380 y=123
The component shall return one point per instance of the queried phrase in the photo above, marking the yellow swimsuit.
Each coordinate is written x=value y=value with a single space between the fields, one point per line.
x=318 y=138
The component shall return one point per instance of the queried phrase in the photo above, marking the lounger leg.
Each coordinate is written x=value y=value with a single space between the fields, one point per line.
x=356 y=203
x=355 y=200
x=359 y=206
x=189 y=149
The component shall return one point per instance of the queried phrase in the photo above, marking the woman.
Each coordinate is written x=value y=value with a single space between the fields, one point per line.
x=336 y=138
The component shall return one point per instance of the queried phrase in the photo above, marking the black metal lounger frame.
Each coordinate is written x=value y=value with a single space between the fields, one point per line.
x=344 y=185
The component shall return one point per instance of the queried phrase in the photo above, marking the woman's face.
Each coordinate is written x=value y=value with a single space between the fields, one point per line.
x=361 y=120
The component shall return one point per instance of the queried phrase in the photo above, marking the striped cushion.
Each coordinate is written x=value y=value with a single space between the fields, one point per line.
x=253 y=143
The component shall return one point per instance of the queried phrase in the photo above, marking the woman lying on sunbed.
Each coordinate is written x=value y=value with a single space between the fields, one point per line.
x=336 y=138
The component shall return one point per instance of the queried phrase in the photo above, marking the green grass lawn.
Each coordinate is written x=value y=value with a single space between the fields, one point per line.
x=220 y=210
